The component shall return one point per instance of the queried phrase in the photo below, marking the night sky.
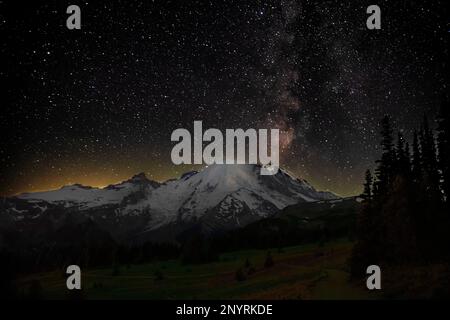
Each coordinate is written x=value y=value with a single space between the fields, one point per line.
x=97 y=105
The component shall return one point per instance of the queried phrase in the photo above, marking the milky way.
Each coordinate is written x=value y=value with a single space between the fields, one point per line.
x=98 y=105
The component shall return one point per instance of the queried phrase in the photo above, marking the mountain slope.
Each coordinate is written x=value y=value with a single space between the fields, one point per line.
x=219 y=198
x=85 y=197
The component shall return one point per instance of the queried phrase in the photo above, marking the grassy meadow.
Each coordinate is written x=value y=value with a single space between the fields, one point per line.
x=298 y=272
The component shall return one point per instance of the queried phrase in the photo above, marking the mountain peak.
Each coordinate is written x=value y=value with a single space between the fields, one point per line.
x=75 y=186
x=139 y=177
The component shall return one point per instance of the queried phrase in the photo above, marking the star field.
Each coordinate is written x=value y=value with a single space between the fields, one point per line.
x=97 y=105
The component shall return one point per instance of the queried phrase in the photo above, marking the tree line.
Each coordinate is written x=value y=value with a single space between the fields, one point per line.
x=404 y=217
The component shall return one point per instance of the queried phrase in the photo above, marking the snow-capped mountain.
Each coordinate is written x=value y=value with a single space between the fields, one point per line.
x=227 y=191
x=85 y=197
x=219 y=197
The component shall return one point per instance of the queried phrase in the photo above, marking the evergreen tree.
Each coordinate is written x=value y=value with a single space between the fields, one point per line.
x=385 y=167
x=240 y=275
x=269 y=261
x=367 y=193
x=429 y=161
x=408 y=158
x=405 y=222
x=443 y=141
x=366 y=250
x=402 y=156
x=416 y=159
